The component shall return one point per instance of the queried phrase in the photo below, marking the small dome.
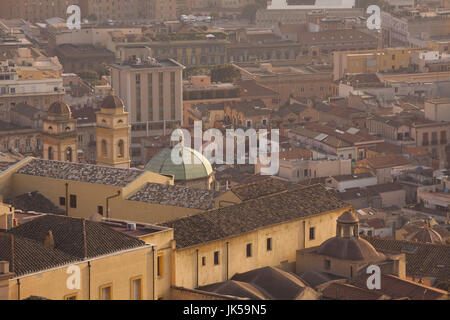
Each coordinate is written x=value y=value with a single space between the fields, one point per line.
x=427 y=235
x=355 y=249
x=348 y=217
x=112 y=102
x=59 y=109
x=347 y=244
x=199 y=167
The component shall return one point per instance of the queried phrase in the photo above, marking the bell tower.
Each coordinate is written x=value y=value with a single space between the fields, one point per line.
x=113 y=134
x=59 y=136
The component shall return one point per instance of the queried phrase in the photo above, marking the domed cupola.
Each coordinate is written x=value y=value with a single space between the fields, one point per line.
x=112 y=102
x=428 y=235
x=347 y=244
x=59 y=111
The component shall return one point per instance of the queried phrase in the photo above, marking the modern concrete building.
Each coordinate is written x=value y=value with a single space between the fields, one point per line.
x=152 y=92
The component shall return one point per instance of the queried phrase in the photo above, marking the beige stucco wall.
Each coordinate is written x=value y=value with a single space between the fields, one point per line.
x=393 y=198
x=117 y=270
x=286 y=239
x=147 y=212
x=90 y=196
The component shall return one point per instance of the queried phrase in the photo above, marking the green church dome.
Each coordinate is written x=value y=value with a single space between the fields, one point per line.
x=198 y=167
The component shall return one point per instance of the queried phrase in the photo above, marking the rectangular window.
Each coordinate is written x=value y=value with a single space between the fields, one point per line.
x=249 y=250
x=159 y=264
x=425 y=139
x=62 y=201
x=73 y=201
x=106 y=292
x=100 y=210
x=443 y=137
x=136 y=288
x=269 y=244
x=216 y=257
x=434 y=139
x=312 y=234
x=203 y=261
x=327 y=264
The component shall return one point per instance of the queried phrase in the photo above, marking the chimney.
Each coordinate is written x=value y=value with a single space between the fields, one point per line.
x=49 y=242
x=4 y=267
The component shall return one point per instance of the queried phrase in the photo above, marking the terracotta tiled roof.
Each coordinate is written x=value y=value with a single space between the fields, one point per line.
x=79 y=238
x=254 y=107
x=416 y=151
x=296 y=154
x=345 y=291
x=80 y=172
x=260 y=188
x=349 y=177
x=27 y=256
x=355 y=193
x=386 y=147
x=388 y=161
x=84 y=115
x=175 y=196
x=422 y=259
x=398 y=288
x=252 y=215
x=295 y=108
x=249 y=88
x=34 y=201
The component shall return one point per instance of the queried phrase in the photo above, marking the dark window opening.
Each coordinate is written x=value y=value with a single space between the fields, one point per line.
x=269 y=244
x=73 y=201
x=312 y=234
x=216 y=257
x=62 y=201
x=249 y=250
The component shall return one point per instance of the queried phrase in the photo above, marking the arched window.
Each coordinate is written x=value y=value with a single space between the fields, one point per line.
x=50 y=153
x=104 y=150
x=69 y=154
x=121 y=149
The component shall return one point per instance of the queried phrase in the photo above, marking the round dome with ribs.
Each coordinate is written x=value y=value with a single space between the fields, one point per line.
x=112 y=102
x=59 y=109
